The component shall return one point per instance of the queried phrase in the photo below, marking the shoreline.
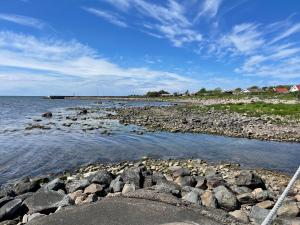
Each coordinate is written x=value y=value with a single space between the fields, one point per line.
x=184 y=118
x=195 y=182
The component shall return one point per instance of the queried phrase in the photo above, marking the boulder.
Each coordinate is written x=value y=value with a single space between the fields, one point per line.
x=240 y=215
x=148 y=181
x=288 y=209
x=54 y=185
x=29 y=217
x=8 y=222
x=246 y=198
x=187 y=189
x=215 y=181
x=89 y=199
x=177 y=171
x=7 y=193
x=158 y=177
x=200 y=182
x=75 y=194
x=47 y=114
x=192 y=197
x=208 y=199
x=46 y=201
x=133 y=175
x=128 y=188
x=258 y=214
x=11 y=209
x=93 y=189
x=4 y=200
x=27 y=186
x=185 y=181
x=167 y=187
x=240 y=190
x=249 y=179
x=77 y=185
x=226 y=199
x=102 y=177
x=265 y=204
x=116 y=185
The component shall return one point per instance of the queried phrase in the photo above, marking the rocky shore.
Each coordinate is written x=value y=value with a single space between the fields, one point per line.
x=187 y=119
x=224 y=191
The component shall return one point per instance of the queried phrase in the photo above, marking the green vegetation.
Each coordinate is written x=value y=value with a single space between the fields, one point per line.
x=153 y=94
x=258 y=109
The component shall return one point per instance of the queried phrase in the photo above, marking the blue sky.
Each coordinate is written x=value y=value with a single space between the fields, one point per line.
x=120 y=47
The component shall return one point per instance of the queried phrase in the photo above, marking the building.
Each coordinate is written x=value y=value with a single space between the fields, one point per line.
x=245 y=91
x=295 y=88
x=281 y=90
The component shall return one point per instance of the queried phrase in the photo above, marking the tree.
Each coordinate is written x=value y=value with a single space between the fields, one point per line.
x=238 y=90
x=153 y=94
x=187 y=93
x=218 y=90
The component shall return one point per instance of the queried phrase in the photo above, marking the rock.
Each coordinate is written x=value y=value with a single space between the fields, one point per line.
x=187 y=189
x=46 y=201
x=76 y=185
x=128 y=188
x=47 y=114
x=11 y=209
x=148 y=181
x=262 y=196
x=192 y=197
x=208 y=199
x=240 y=190
x=25 y=196
x=288 y=209
x=117 y=185
x=75 y=194
x=28 y=186
x=7 y=193
x=213 y=182
x=167 y=187
x=246 y=198
x=102 y=177
x=249 y=179
x=287 y=221
x=226 y=199
x=158 y=177
x=89 y=199
x=83 y=112
x=29 y=217
x=210 y=172
x=265 y=204
x=54 y=185
x=93 y=189
x=258 y=214
x=4 y=200
x=8 y=222
x=133 y=176
x=200 y=182
x=79 y=200
x=185 y=181
x=297 y=197
x=240 y=215
x=178 y=171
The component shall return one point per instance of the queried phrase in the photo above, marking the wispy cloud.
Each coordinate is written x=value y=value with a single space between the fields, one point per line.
x=23 y=20
x=78 y=64
x=209 y=8
x=109 y=16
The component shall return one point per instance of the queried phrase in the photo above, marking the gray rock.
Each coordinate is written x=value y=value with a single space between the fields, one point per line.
x=249 y=179
x=54 y=185
x=258 y=214
x=167 y=187
x=133 y=176
x=226 y=199
x=158 y=177
x=213 y=182
x=93 y=189
x=288 y=209
x=240 y=215
x=148 y=181
x=91 y=198
x=178 y=171
x=4 y=200
x=29 y=217
x=128 y=188
x=24 y=196
x=208 y=199
x=7 y=193
x=11 y=209
x=262 y=196
x=77 y=185
x=8 y=222
x=240 y=190
x=46 y=201
x=187 y=189
x=102 y=177
x=201 y=182
x=265 y=204
x=117 y=185
x=192 y=197
x=246 y=198
x=185 y=181
x=28 y=186
x=287 y=221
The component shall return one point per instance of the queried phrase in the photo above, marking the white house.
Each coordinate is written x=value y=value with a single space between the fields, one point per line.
x=295 y=88
x=245 y=91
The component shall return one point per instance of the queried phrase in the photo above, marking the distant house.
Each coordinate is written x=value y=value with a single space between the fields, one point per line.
x=295 y=88
x=245 y=91
x=166 y=95
x=281 y=90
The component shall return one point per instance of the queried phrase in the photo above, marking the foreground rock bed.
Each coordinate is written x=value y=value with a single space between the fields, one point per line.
x=232 y=194
x=187 y=119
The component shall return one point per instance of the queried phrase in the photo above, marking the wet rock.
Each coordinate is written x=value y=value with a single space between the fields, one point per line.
x=11 y=209
x=26 y=186
x=258 y=214
x=240 y=215
x=226 y=199
x=246 y=198
x=265 y=204
x=133 y=176
x=208 y=199
x=117 y=185
x=47 y=114
x=54 y=185
x=249 y=179
x=288 y=209
x=128 y=188
x=93 y=189
x=46 y=201
x=177 y=171
x=102 y=177
x=76 y=185
x=192 y=197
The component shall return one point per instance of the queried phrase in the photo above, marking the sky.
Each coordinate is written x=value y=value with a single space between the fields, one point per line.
x=121 y=47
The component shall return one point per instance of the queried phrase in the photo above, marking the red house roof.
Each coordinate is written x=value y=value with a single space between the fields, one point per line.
x=298 y=86
x=281 y=90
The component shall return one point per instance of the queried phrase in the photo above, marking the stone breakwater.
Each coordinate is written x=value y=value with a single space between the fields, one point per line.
x=224 y=191
x=187 y=119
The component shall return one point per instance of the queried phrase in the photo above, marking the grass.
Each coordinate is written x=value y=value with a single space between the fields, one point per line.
x=258 y=109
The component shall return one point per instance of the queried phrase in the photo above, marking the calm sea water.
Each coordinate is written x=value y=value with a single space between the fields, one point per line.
x=37 y=152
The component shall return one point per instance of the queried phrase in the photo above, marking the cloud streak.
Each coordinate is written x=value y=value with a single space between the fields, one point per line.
x=23 y=20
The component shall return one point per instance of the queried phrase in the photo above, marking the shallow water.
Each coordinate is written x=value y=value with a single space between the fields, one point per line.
x=36 y=152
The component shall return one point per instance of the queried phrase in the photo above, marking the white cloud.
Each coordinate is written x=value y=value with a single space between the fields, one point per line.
x=22 y=20
x=108 y=16
x=294 y=29
x=209 y=8
x=77 y=64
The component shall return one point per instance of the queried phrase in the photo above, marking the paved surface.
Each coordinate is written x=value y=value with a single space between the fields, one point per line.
x=125 y=211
